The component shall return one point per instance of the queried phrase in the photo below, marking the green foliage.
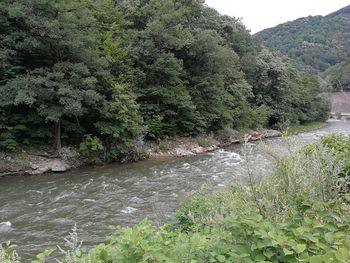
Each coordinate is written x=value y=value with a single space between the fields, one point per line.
x=319 y=44
x=63 y=67
x=341 y=147
x=8 y=253
x=91 y=144
x=313 y=232
x=91 y=149
x=254 y=118
x=307 y=101
x=291 y=96
x=306 y=127
x=338 y=76
x=120 y=121
x=42 y=257
x=125 y=71
x=7 y=141
x=199 y=207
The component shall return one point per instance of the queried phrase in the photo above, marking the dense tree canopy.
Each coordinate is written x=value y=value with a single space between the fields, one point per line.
x=338 y=76
x=114 y=71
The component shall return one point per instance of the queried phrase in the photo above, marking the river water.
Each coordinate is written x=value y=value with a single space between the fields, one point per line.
x=37 y=212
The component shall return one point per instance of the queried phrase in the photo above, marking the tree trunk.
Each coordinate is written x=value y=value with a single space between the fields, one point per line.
x=58 y=145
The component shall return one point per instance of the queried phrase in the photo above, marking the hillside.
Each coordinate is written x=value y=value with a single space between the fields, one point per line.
x=317 y=41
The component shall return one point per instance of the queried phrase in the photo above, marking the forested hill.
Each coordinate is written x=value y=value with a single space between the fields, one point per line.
x=107 y=74
x=319 y=41
x=343 y=11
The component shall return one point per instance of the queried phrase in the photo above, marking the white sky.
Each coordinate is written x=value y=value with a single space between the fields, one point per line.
x=260 y=14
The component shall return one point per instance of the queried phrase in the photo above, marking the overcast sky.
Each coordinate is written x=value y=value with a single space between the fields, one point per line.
x=260 y=14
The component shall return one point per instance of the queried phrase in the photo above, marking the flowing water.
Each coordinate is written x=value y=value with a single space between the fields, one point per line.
x=37 y=212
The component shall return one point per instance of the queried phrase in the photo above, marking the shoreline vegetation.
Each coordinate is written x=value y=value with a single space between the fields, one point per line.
x=307 y=127
x=37 y=160
x=299 y=212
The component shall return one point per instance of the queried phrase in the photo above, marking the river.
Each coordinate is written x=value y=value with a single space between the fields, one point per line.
x=37 y=212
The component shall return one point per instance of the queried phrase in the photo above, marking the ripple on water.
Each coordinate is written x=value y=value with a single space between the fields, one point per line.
x=128 y=210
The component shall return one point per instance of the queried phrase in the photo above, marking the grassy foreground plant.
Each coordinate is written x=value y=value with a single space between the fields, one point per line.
x=8 y=254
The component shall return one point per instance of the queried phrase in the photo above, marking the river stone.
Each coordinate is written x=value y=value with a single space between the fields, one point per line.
x=5 y=227
x=198 y=150
x=59 y=166
x=180 y=152
x=54 y=165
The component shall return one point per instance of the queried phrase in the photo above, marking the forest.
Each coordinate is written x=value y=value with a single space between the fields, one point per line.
x=104 y=74
x=317 y=43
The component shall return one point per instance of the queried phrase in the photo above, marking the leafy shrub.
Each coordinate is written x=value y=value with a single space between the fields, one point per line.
x=22 y=129
x=8 y=254
x=8 y=141
x=199 y=207
x=261 y=116
x=91 y=149
x=254 y=117
x=312 y=233
x=315 y=232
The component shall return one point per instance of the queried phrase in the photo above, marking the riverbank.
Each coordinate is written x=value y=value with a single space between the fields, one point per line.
x=185 y=147
x=39 y=160
x=307 y=127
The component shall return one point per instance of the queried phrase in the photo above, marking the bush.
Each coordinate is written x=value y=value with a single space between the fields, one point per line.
x=91 y=149
x=315 y=232
x=254 y=117
x=310 y=233
x=7 y=141
x=200 y=207
x=8 y=254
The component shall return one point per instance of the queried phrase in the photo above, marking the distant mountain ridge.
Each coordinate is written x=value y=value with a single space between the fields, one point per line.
x=316 y=41
x=343 y=11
